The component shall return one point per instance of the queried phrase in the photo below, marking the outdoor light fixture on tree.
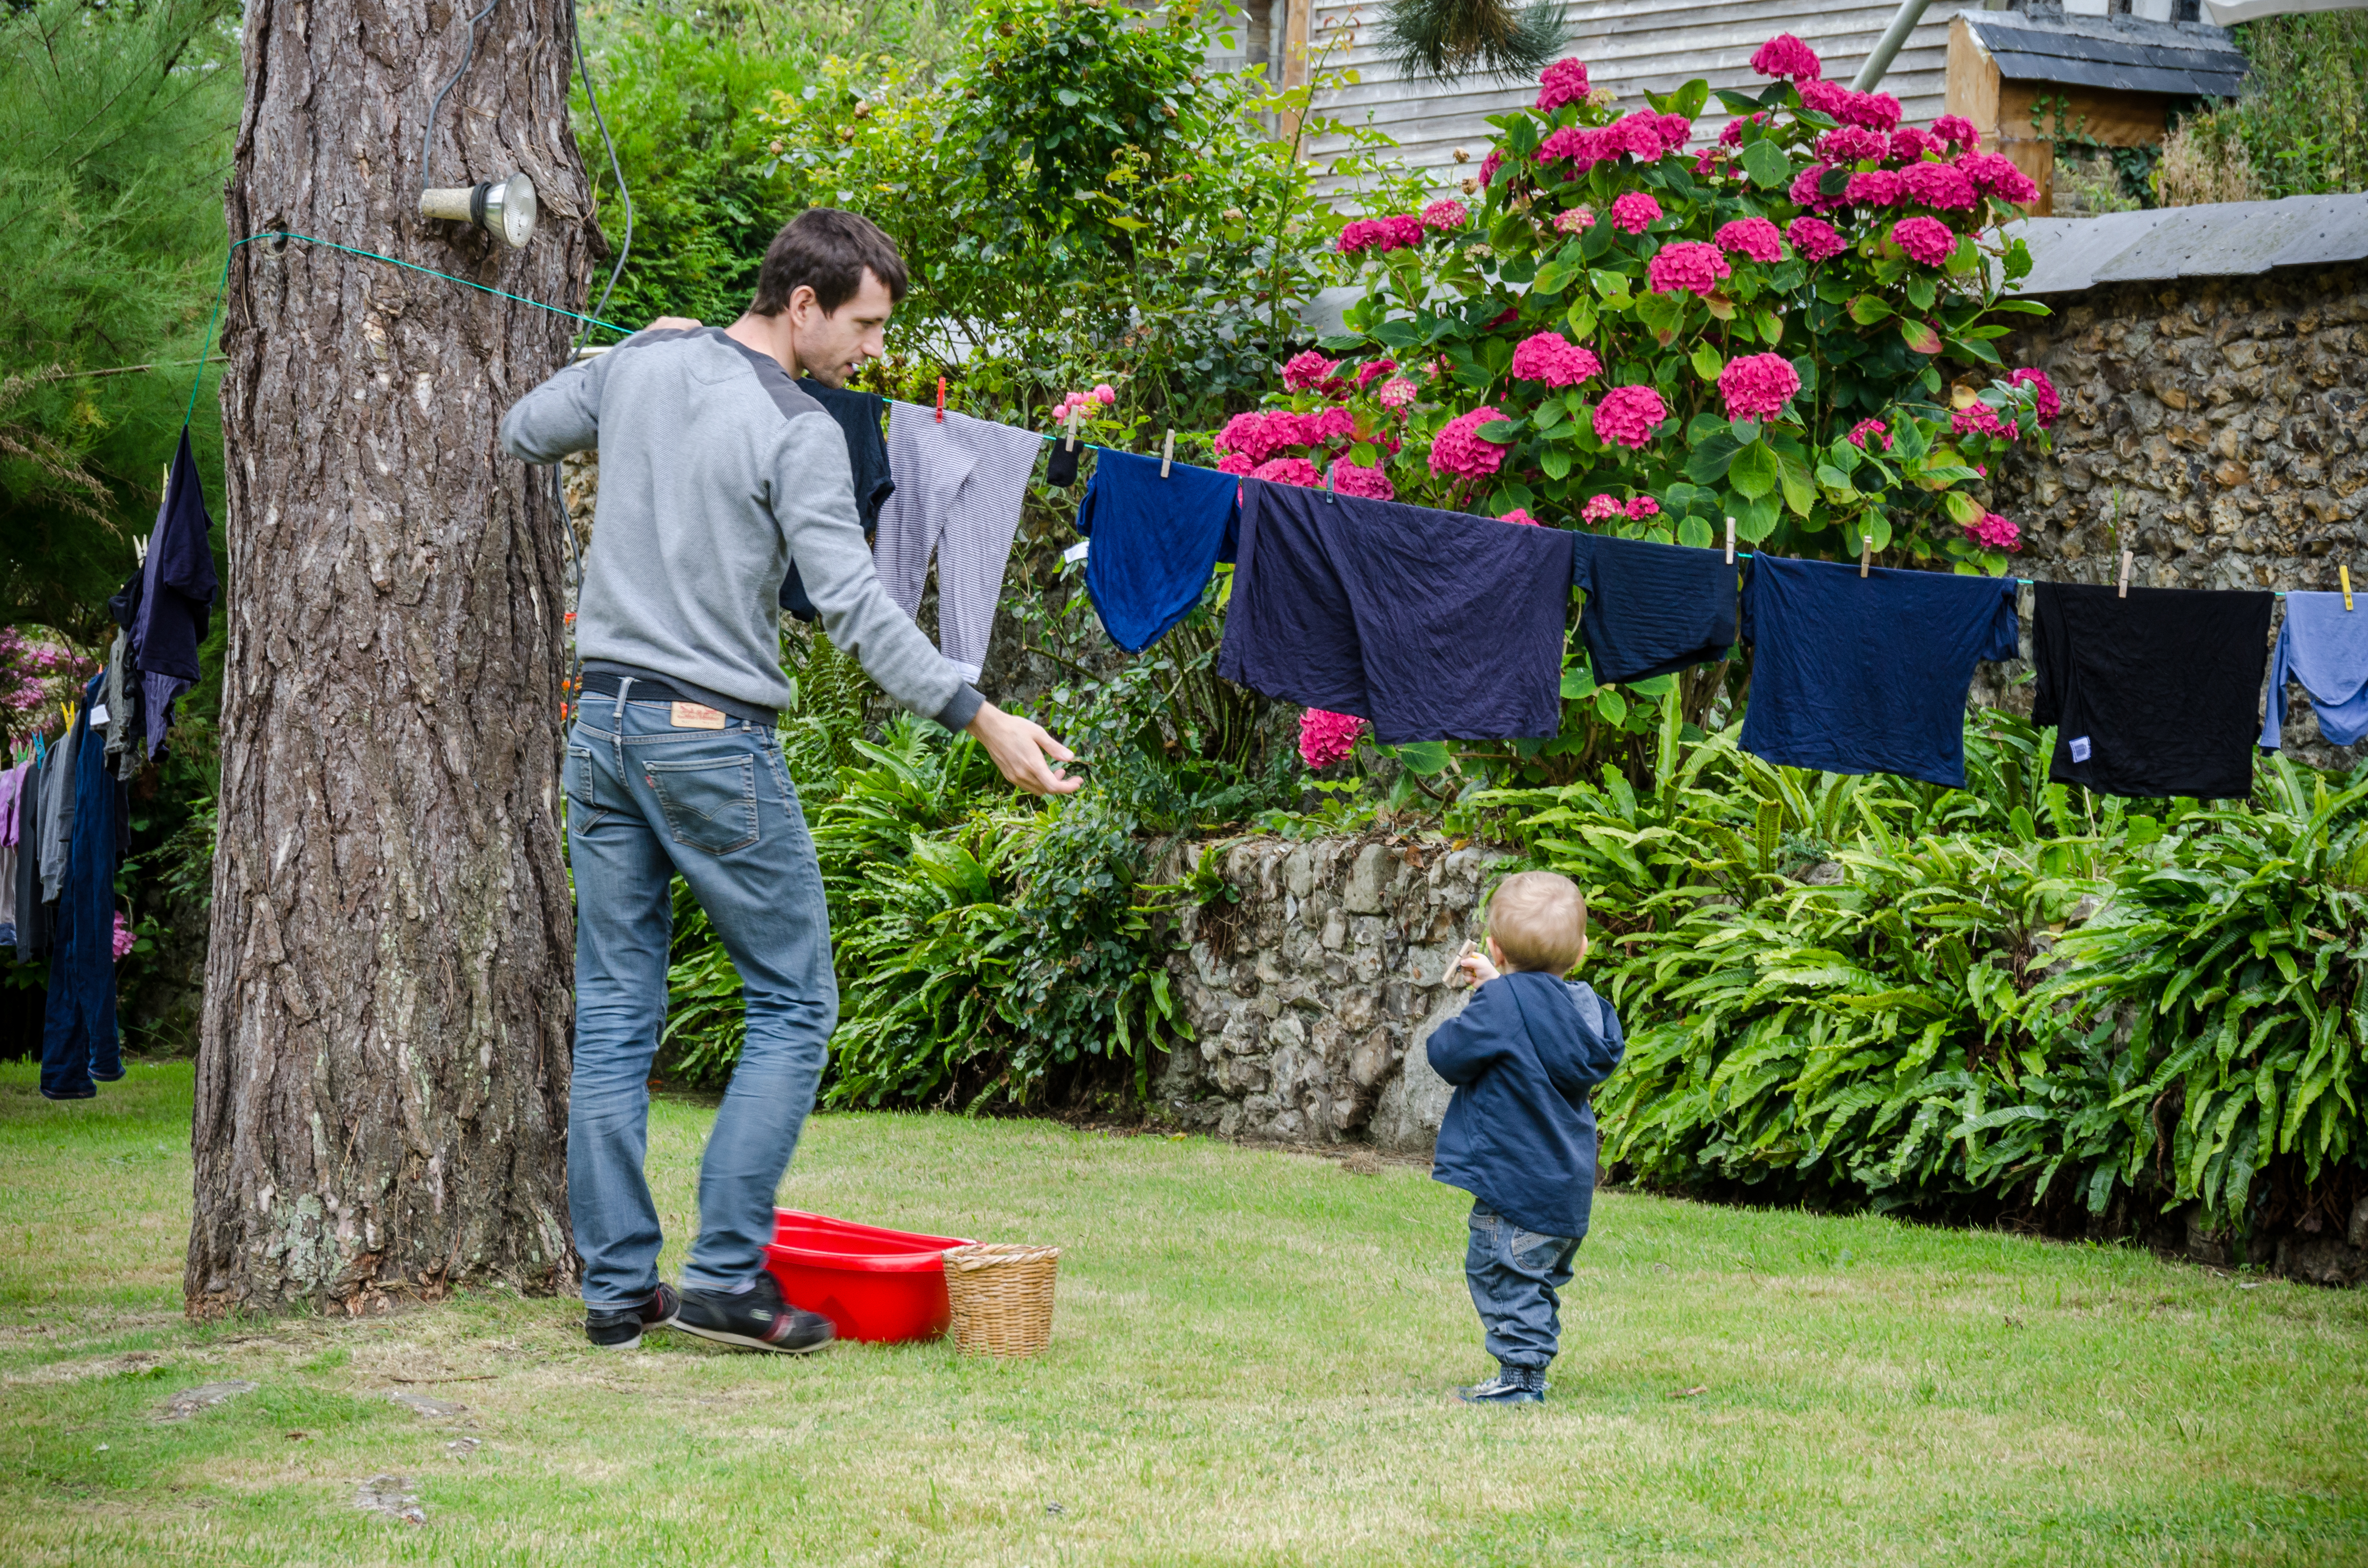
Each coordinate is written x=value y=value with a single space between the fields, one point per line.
x=505 y=210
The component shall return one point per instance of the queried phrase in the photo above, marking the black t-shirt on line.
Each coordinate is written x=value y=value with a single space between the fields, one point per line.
x=858 y=415
x=2156 y=694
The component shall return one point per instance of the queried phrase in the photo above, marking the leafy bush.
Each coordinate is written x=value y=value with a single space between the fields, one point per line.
x=2300 y=127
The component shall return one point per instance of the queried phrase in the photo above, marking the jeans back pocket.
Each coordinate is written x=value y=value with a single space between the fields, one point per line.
x=577 y=782
x=710 y=802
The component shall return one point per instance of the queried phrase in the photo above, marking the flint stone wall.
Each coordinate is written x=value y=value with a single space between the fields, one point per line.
x=1313 y=997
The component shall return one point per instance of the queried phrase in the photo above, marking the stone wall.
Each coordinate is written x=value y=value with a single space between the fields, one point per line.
x=1314 y=996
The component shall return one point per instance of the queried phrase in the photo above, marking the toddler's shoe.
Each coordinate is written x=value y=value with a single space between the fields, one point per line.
x=1511 y=1385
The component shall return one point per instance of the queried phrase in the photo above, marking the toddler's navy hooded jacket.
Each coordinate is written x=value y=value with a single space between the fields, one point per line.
x=1519 y=1134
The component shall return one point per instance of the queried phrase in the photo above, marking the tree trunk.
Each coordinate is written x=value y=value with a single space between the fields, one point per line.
x=381 y=1102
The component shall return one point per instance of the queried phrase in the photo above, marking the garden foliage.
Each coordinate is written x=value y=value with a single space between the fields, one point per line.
x=2299 y=128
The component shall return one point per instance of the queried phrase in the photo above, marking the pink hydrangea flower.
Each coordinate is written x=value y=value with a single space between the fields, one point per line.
x=1908 y=144
x=1630 y=415
x=1807 y=188
x=1826 y=97
x=1995 y=174
x=1258 y=436
x=1785 y=55
x=1758 y=386
x=1957 y=130
x=1815 y=238
x=1676 y=131
x=1851 y=144
x=1329 y=426
x=1235 y=462
x=1582 y=146
x=1754 y=237
x=1926 y=240
x=1644 y=506
x=1396 y=392
x=1994 y=532
x=1634 y=212
x=1105 y=394
x=1459 y=452
x=1553 y=359
x=1563 y=82
x=1686 y=265
x=1445 y=215
x=1519 y=514
x=1936 y=185
x=1289 y=471
x=1867 y=430
x=2046 y=403
x=1712 y=161
x=1876 y=111
x=1599 y=507
x=1571 y=220
x=1645 y=135
x=124 y=940
x=1373 y=370
x=1489 y=168
x=1978 y=418
x=1731 y=133
x=1380 y=234
x=1305 y=372
x=1875 y=187
x=1356 y=479
x=1327 y=738
x=1360 y=235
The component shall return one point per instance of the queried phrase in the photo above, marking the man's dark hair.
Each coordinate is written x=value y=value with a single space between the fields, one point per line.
x=828 y=250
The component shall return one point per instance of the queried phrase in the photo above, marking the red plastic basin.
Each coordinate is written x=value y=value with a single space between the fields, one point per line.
x=874 y=1284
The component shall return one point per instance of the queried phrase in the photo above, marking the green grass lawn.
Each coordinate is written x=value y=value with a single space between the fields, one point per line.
x=1250 y=1364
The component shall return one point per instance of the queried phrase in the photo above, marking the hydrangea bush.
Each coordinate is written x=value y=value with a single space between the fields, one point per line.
x=1793 y=325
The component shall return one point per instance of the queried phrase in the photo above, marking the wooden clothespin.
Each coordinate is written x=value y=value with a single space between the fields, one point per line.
x=1072 y=428
x=941 y=400
x=2126 y=558
x=1865 y=552
x=2345 y=572
x=1730 y=541
x=1167 y=452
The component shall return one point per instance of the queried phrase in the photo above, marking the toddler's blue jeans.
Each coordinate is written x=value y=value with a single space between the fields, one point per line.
x=1515 y=1275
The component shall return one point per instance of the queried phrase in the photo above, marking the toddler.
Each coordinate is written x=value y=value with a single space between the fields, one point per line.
x=1519 y=1134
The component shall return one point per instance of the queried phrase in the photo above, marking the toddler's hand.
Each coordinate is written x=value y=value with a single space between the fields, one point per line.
x=1477 y=969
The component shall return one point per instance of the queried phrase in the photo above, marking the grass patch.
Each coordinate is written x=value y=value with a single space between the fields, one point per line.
x=1250 y=1365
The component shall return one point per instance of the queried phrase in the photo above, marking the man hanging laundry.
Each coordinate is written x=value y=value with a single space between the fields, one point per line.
x=717 y=475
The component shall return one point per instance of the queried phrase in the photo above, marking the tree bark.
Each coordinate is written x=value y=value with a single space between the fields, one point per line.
x=381 y=1099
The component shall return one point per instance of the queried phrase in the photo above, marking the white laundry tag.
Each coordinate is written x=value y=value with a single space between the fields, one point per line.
x=1077 y=551
x=98 y=716
x=2080 y=748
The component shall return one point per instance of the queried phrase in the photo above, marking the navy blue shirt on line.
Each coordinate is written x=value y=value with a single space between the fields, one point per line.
x=1651 y=608
x=1155 y=541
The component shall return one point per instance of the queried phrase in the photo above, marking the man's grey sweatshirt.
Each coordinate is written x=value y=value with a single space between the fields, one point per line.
x=716 y=473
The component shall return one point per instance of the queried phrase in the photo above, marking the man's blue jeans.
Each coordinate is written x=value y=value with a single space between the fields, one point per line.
x=644 y=801
x=1516 y=1276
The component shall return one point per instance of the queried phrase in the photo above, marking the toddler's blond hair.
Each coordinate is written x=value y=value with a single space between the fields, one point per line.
x=1539 y=921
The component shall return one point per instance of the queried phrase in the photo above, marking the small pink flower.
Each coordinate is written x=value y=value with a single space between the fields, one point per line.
x=1978 y=418
x=1994 y=532
x=1396 y=392
x=1815 y=238
x=1327 y=738
x=1867 y=430
x=1105 y=394
x=1599 y=507
x=1712 y=161
x=1875 y=187
x=1445 y=215
x=1851 y=144
x=1785 y=55
x=124 y=940
x=1634 y=212
x=1489 y=168
x=1687 y=265
x=1235 y=462
x=1936 y=185
x=1926 y=240
x=1550 y=357
x=1401 y=231
x=2046 y=403
x=1807 y=189
x=1373 y=370
x=1327 y=427
x=1459 y=451
x=1582 y=146
x=1519 y=514
x=1571 y=220
x=1731 y=133
x=1909 y=144
x=1995 y=174
x=1563 y=82
x=1828 y=98
x=1876 y=111
x=1644 y=506
x=1355 y=479
x=1289 y=471
x=1957 y=130
x=1630 y=415
x=1758 y=386
x=1753 y=237
x=1304 y=372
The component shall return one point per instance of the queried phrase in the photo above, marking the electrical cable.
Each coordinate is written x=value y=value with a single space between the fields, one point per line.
x=436 y=105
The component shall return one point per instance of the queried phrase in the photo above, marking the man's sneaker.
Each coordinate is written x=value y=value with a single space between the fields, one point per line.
x=619 y=1328
x=1511 y=1385
x=755 y=1319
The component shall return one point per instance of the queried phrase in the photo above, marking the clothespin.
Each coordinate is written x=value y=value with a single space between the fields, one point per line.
x=1167 y=453
x=2126 y=558
x=1865 y=552
x=941 y=400
x=2345 y=572
x=1730 y=541
x=1072 y=428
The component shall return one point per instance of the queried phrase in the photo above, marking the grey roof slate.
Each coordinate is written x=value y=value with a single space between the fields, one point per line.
x=2177 y=58
x=2236 y=239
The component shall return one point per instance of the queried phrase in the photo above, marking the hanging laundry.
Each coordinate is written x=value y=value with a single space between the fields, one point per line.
x=1853 y=674
x=857 y=414
x=32 y=923
x=960 y=485
x=11 y=782
x=126 y=752
x=177 y=590
x=1155 y=541
x=1060 y=468
x=2324 y=645
x=79 y=1042
x=1433 y=625
x=57 y=806
x=2154 y=693
x=1651 y=608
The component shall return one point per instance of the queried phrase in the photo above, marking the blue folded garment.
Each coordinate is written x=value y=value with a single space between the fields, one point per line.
x=2325 y=647
x=1155 y=541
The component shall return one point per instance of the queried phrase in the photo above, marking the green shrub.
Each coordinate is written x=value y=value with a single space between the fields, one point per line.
x=2300 y=126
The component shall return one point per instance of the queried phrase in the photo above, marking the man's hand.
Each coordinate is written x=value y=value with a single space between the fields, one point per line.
x=1020 y=747
x=672 y=324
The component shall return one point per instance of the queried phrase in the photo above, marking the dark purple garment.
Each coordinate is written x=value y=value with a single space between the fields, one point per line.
x=1434 y=625
x=79 y=1043
x=177 y=589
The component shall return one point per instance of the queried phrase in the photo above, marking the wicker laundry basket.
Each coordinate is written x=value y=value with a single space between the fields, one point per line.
x=1002 y=1297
